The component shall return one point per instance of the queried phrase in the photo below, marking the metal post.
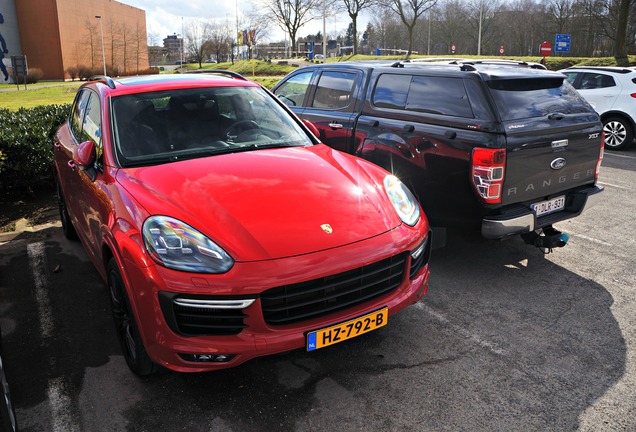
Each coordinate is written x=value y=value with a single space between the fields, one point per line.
x=182 y=40
x=481 y=8
x=101 y=32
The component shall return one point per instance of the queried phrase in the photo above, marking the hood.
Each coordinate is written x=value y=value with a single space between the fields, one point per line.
x=269 y=203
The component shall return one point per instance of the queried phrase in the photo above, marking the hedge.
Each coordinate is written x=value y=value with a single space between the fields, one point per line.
x=26 y=147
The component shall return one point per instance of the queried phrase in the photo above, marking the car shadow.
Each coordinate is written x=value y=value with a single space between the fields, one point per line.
x=505 y=340
x=623 y=159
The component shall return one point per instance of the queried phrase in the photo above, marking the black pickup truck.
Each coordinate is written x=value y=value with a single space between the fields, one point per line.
x=502 y=148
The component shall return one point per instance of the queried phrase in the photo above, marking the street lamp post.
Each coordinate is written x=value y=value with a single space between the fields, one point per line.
x=182 y=41
x=101 y=32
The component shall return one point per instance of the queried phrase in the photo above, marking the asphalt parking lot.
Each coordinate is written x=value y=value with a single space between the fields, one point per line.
x=507 y=339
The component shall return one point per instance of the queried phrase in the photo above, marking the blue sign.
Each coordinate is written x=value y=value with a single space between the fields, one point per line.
x=562 y=42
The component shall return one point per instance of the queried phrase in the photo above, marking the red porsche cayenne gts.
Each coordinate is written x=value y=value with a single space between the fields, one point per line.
x=224 y=229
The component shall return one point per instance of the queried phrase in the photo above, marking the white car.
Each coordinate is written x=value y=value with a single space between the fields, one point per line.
x=612 y=93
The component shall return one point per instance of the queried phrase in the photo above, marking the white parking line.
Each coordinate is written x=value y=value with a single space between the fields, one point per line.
x=58 y=399
x=619 y=155
x=593 y=240
x=616 y=186
x=37 y=262
x=490 y=346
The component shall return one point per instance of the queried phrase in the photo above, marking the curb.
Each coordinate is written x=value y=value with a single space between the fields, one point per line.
x=22 y=226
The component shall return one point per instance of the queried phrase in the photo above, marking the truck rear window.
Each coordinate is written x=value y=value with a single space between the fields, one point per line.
x=425 y=94
x=535 y=97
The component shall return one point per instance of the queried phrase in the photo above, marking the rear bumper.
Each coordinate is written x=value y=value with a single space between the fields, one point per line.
x=521 y=219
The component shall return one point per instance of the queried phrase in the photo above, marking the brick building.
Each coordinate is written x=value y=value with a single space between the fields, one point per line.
x=57 y=35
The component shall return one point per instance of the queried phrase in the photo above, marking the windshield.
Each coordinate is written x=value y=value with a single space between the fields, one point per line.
x=173 y=125
x=535 y=97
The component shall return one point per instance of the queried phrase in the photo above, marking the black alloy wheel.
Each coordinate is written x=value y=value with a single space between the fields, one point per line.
x=126 y=325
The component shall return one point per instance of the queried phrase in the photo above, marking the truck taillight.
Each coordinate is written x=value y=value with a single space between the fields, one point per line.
x=600 y=156
x=488 y=169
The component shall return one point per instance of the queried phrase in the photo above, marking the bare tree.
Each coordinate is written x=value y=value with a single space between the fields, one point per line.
x=389 y=32
x=197 y=33
x=139 y=43
x=560 y=13
x=453 y=24
x=115 y=41
x=258 y=25
x=484 y=11
x=91 y=41
x=354 y=7
x=620 y=45
x=124 y=46
x=219 y=41
x=409 y=11
x=291 y=15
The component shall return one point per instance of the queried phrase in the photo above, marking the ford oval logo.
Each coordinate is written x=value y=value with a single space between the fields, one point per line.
x=558 y=163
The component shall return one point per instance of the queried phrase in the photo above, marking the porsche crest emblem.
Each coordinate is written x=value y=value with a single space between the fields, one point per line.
x=326 y=228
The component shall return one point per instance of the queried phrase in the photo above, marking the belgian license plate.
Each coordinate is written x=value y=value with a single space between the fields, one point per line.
x=549 y=206
x=347 y=330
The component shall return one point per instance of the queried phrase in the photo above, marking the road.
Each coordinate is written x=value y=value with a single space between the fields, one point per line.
x=507 y=339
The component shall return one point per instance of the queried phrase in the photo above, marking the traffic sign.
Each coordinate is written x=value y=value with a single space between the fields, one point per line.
x=453 y=48
x=501 y=50
x=546 y=48
x=562 y=42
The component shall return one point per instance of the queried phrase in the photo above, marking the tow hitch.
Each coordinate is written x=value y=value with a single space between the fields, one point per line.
x=547 y=238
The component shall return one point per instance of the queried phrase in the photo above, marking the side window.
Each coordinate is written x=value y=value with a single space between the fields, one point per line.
x=334 y=90
x=92 y=121
x=92 y=129
x=391 y=91
x=292 y=92
x=77 y=115
x=439 y=95
x=596 y=80
x=571 y=77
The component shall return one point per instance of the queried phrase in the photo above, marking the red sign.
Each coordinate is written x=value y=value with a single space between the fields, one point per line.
x=501 y=50
x=453 y=48
x=546 y=48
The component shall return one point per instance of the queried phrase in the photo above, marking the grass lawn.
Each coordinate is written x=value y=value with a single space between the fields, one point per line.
x=34 y=95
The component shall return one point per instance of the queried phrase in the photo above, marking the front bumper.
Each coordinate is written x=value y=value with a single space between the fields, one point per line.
x=521 y=219
x=154 y=289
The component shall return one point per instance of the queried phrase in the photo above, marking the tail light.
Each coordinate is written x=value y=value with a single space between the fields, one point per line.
x=600 y=156
x=488 y=169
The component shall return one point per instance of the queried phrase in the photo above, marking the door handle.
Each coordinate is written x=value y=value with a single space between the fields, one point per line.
x=335 y=126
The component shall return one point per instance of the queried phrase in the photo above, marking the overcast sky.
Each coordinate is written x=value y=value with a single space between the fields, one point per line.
x=163 y=17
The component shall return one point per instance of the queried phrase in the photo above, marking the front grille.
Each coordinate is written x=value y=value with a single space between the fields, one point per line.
x=292 y=303
x=199 y=320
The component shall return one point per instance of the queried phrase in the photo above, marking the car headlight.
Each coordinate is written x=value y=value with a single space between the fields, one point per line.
x=178 y=246
x=403 y=200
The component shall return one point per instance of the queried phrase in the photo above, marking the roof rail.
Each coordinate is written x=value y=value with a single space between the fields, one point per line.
x=615 y=69
x=219 y=72
x=105 y=79
x=504 y=62
x=397 y=64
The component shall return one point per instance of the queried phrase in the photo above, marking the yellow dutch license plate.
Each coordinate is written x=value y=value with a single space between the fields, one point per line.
x=347 y=330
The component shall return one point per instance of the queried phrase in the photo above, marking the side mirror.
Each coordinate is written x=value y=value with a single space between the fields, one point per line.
x=85 y=155
x=312 y=128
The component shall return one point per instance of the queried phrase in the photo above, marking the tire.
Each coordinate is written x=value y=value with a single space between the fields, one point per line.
x=619 y=133
x=126 y=325
x=67 y=226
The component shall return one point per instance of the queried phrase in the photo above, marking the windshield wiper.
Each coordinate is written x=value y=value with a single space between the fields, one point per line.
x=256 y=146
